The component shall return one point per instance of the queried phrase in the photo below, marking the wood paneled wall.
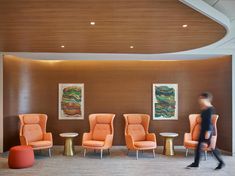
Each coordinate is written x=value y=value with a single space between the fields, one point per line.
x=119 y=87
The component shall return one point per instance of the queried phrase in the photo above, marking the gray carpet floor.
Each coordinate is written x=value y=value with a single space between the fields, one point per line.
x=118 y=164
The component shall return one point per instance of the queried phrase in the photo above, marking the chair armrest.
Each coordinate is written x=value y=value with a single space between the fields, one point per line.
x=129 y=141
x=86 y=136
x=151 y=137
x=47 y=137
x=108 y=141
x=213 y=142
x=23 y=140
x=187 y=137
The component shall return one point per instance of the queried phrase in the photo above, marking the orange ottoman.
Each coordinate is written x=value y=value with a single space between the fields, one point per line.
x=20 y=157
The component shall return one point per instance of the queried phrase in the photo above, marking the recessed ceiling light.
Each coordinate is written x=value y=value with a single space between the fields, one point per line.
x=131 y=47
x=185 y=25
x=62 y=46
x=92 y=23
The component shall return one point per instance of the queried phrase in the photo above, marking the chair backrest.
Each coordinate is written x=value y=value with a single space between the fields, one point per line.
x=137 y=126
x=101 y=125
x=195 y=125
x=33 y=126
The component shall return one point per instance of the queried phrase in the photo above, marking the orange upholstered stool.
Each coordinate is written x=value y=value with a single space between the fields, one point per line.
x=20 y=157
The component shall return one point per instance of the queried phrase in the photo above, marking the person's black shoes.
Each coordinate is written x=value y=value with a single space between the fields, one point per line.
x=220 y=166
x=193 y=165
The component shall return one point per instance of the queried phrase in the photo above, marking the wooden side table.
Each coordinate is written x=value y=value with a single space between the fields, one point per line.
x=68 y=145
x=168 y=143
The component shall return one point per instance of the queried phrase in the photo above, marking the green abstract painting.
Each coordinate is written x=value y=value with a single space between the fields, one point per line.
x=165 y=101
x=71 y=101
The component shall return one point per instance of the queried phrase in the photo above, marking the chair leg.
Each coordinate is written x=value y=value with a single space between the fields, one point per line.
x=94 y=150
x=49 y=152
x=186 y=153
x=101 y=153
x=205 y=155
x=128 y=151
x=153 y=153
x=137 y=154
x=109 y=152
x=84 y=152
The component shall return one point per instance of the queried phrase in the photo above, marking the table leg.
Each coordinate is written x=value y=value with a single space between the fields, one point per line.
x=168 y=146
x=68 y=147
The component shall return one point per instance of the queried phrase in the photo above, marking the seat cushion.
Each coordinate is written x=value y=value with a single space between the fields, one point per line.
x=145 y=144
x=193 y=144
x=38 y=144
x=104 y=119
x=136 y=131
x=31 y=119
x=32 y=132
x=134 y=119
x=101 y=131
x=93 y=143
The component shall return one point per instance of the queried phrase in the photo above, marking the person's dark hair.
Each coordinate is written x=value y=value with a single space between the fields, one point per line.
x=207 y=95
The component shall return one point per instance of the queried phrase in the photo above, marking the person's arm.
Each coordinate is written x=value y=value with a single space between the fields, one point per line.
x=207 y=134
x=208 y=124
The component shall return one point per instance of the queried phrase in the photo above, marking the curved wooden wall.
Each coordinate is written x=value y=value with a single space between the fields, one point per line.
x=119 y=87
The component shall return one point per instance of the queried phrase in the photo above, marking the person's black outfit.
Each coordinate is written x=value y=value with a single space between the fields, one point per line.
x=206 y=126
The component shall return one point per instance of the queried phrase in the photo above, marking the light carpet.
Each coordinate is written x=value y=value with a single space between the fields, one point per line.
x=117 y=164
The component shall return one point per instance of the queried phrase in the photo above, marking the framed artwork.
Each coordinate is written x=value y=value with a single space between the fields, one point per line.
x=71 y=101
x=165 y=101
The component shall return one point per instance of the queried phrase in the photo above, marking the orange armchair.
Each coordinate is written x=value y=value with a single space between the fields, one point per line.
x=33 y=132
x=191 y=139
x=101 y=133
x=136 y=133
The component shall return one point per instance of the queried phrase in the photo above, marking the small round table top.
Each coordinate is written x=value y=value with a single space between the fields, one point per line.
x=169 y=134
x=68 y=134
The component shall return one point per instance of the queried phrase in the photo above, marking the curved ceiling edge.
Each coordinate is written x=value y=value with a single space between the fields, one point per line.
x=213 y=14
x=121 y=57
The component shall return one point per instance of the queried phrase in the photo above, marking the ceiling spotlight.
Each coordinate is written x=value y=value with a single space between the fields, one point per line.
x=185 y=25
x=131 y=47
x=62 y=46
x=92 y=23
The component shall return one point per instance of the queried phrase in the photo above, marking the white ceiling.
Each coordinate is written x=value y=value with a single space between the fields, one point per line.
x=227 y=7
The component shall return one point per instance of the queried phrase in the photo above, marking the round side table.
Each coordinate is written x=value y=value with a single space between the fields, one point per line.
x=168 y=143
x=68 y=145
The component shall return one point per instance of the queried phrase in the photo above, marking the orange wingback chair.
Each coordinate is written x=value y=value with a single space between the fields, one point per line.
x=101 y=133
x=33 y=132
x=136 y=133
x=191 y=139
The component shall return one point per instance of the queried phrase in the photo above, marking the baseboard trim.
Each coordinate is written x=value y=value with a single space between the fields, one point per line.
x=180 y=147
x=177 y=147
x=226 y=152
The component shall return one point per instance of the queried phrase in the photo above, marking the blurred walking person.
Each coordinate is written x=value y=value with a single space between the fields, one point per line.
x=207 y=110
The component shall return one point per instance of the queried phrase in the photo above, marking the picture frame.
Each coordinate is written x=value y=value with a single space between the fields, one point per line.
x=71 y=101
x=165 y=101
